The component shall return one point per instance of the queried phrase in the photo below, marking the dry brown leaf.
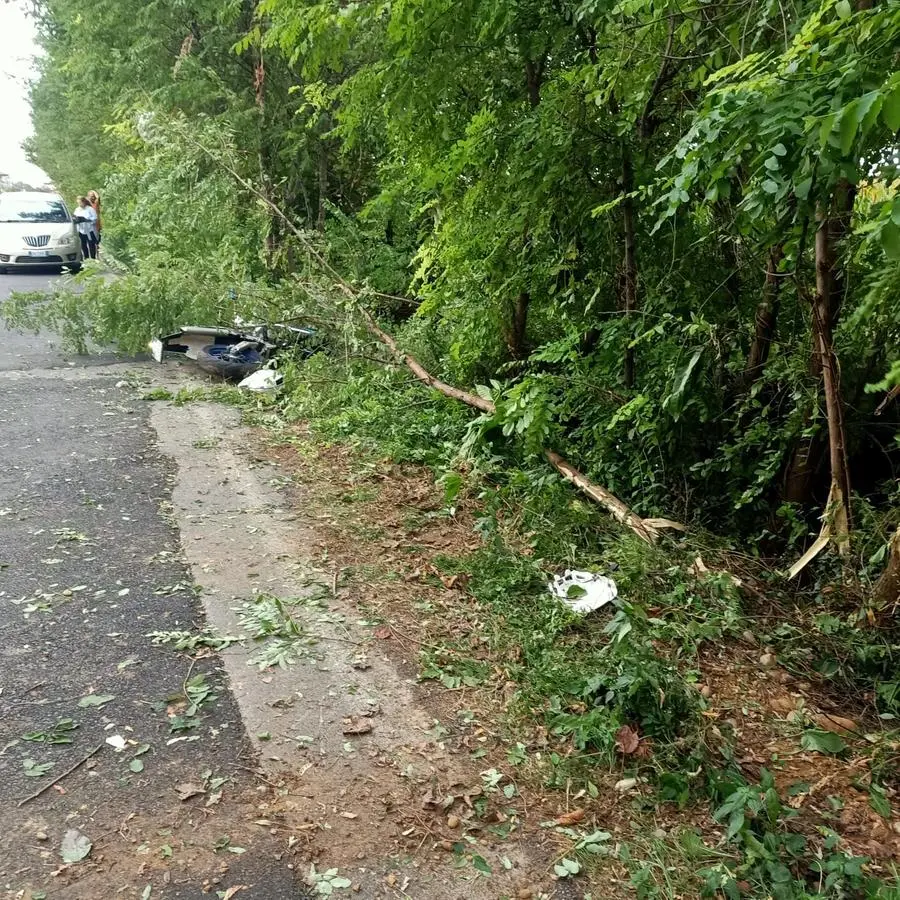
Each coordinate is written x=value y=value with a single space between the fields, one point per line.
x=383 y=633
x=573 y=817
x=187 y=790
x=627 y=740
x=837 y=724
x=233 y=890
x=355 y=725
x=783 y=704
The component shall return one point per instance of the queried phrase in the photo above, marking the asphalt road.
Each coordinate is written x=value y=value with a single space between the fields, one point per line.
x=89 y=565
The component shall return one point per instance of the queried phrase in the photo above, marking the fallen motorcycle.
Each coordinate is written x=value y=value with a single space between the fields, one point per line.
x=233 y=354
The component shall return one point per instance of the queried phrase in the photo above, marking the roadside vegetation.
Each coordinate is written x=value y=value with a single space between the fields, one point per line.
x=660 y=242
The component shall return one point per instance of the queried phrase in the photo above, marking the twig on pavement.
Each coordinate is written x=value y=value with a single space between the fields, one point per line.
x=59 y=778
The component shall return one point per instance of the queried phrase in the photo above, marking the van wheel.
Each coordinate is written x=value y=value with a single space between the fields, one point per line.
x=74 y=268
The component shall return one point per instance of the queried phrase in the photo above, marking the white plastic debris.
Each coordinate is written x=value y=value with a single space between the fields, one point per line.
x=262 y=380
x=583 y=592
x=117 y=741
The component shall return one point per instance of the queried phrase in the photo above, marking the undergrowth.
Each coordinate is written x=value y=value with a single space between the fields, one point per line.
x=573 y=683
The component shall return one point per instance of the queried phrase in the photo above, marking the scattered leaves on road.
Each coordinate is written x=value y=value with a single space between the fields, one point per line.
x=75 y=846
x=60 y=733
x=355 y=725
x=571 y=818
x=34 y=769
x=627 y=740
x=95 y=700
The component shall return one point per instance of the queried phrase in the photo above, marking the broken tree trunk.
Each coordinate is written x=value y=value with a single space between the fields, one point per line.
x=887 y=589
x=836 y=520
x=837 y=442
x=809 y=453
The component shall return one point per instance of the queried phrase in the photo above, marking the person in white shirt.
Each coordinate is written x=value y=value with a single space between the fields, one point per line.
x=85 y=219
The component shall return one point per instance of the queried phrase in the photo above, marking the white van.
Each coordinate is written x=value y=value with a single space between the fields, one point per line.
x=36 y=229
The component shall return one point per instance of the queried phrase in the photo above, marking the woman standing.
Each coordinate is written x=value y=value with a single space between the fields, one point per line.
x=85 y=219
x=94 y=199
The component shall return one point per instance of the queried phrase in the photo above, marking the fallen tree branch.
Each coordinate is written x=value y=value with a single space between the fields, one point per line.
x=421 y=373
x=616 y=508
x=613 y=505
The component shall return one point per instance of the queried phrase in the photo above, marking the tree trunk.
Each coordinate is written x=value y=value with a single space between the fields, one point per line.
x=887 y=588
x=534 y=75
x=823 y=305
x=516 y=339
x=808 y=454
x=630 y=271
x=766 y=318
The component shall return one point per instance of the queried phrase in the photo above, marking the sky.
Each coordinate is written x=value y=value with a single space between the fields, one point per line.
x=17 y=49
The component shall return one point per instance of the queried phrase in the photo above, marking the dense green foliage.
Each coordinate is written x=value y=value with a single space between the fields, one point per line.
x=664 y=238
x=580 y=200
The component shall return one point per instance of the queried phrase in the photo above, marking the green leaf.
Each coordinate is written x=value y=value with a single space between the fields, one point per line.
x=895 y=210
x=801 y=190
x=35 y=770
x=779 y=150
x=566 y=868
x=890 y=110
x=868 y=109
x=843 y=9
x=825 y=130
x=136 y=765
x=822 y=742
x=878 y=800
x=890 y=239
x=848 y=127
x=769 y=186
x=95 y=700
x=481 y=864
x=735 y=823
